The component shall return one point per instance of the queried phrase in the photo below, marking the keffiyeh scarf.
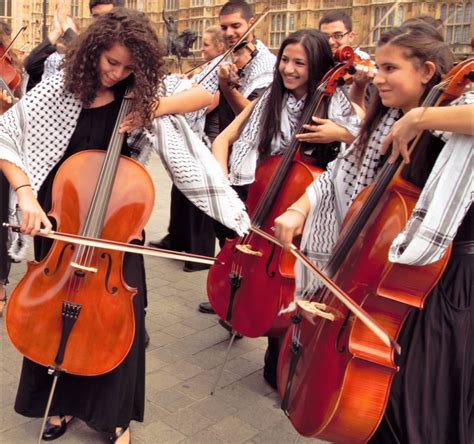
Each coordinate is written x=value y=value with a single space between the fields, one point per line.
x=257 y=74
x=47 y=117
x=244 y=157
x=441 y=207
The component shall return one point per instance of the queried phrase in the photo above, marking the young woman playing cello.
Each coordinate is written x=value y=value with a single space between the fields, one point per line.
x=78 y=107
x=431 y=397
x=267 y=127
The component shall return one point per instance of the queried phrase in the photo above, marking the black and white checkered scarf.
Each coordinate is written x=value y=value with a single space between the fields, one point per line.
x=244 y=156
x=35 y=133
x=441 y=207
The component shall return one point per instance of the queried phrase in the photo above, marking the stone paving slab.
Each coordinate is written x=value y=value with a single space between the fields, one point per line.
x=184 y=356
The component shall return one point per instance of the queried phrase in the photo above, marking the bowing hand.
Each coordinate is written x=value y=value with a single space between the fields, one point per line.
x=287 y=226
x=33 y=218
x=401 y=134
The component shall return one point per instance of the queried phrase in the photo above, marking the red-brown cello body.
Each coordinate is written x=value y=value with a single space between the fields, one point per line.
x=267 y=279
x=257 y=280
x=82 y=289
x=334 y=376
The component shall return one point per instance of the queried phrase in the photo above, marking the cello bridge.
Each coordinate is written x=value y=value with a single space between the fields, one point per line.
x=247 y=249
x=83 y=267
x=311 y=309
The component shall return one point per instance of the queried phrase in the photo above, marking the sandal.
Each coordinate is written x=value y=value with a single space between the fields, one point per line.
x=118 y=433
x=3 y=300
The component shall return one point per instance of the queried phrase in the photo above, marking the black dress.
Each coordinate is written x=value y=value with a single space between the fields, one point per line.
x=113 y=399
x=5 y=260
x=432 y=396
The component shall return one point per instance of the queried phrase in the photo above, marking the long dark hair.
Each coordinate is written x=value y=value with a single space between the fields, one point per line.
x=420 y=43
x=320 y=60
x=131 y=29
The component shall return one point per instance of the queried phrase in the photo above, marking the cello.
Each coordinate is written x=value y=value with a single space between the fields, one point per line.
x=258 y=278
x=51 y=317
x=334 y=377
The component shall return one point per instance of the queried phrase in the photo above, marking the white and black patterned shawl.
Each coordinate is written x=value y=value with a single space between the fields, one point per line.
x=257 y=74
x=432 y=225
x=35 y=133
x=243 y=160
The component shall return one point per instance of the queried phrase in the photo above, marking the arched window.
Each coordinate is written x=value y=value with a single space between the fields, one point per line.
x=400 y=15
x=457 y=22
x=5 y=9
x=278 y=29
x=443 y=12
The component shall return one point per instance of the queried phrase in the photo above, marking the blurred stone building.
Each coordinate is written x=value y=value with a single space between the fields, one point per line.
x=285 y=16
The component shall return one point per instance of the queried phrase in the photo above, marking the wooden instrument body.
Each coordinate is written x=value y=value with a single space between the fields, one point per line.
x=267 y=282
x=104 y=330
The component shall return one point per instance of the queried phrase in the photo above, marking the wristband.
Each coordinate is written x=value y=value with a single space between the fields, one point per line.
x=21 y=186
x=298 y=210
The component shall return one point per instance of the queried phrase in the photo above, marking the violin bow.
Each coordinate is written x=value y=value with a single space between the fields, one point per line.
x=377 y=25
x=121 y=246
x=7 y=49
x=355 y=308
x=244 y=36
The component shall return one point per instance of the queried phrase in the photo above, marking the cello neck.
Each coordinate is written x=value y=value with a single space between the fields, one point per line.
x=276 y=182
x=103 y=190
x=386 y=175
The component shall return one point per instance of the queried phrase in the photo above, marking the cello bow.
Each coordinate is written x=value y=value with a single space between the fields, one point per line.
x=355 y=308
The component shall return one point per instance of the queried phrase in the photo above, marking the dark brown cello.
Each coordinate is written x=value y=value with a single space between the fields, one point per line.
x=257 y=279
x=334 y=376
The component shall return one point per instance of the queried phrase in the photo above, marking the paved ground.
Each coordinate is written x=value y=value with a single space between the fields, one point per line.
x=183 y=358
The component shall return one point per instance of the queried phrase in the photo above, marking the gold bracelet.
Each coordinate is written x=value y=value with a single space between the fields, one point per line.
x=298 y=210
x=21 y=186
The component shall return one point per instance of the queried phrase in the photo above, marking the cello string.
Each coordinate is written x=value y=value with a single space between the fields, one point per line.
x=85 y=255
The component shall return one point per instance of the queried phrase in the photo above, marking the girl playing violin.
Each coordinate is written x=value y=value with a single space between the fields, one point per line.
x=6 y=101
x=431 y=396
x=267 y=127
x=72 y=111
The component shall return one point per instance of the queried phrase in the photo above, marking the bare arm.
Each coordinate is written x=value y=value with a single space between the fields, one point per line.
x=220 y=147
x=456 y=119
x=183 y=102
x=291 y=222
x=32 y=214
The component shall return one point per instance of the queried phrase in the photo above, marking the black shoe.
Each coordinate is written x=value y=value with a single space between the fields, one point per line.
x=206 y=307
x=52 y=431
x=195 y=266
x=147 y=339
x=228 y=327
x=115 y=436
x=270 y=377
x=270 y=367
x=164 y=243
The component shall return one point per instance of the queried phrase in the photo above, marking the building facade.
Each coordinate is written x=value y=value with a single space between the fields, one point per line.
x=285 y=16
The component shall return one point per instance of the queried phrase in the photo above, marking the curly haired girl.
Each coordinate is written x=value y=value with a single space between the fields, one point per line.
x=72 y=111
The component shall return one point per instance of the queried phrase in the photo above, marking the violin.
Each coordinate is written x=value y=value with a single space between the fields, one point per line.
x=336 y=369
x=9 y=75
x=242 y=55
x=232 y=48
x=257 y=277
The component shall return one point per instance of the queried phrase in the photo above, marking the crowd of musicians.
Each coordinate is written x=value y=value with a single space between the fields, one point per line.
x=343 y=121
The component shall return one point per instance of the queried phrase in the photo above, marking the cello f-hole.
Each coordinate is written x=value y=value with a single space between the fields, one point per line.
x=47 y=271
x=270 y=274
x=107 y=256
x=341 y=348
